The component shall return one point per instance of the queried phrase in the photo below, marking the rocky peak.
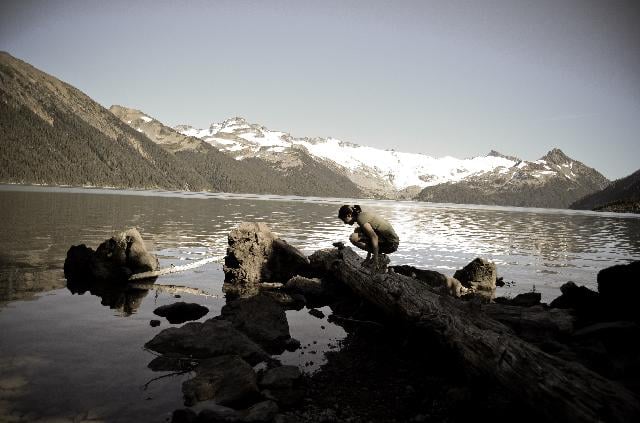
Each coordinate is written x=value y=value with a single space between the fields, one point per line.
x=235 y=121
x=556 y=156
x=494 y=153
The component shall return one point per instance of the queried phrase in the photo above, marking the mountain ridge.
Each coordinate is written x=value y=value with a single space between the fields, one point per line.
x=52 y=133
x=554 y=180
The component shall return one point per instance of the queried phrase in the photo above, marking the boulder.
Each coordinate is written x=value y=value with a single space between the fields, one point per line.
x=310 y=288
x=528 y=299
x=184 y=415
x=584 y=302
x=114 y=260
x=281 y=384
x=281 y=377
x=479 y=275
x=255 y=255
x=219 y=414
x=228 y=380
x=261 y=412
x=262 y=319
x=206 y=340
x=619 y=288
x=181 y=312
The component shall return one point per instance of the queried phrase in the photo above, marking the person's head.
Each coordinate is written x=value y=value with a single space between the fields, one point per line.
x=348 y=214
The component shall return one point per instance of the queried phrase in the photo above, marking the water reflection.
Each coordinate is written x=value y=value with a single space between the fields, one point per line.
x=121 y=297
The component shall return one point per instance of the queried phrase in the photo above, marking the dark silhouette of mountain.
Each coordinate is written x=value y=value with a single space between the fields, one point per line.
x=622 y=195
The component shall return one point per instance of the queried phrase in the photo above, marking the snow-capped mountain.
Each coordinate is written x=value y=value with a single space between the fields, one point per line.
x=392 y=174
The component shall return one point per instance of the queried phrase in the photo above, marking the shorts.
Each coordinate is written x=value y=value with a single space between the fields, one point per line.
x=384 y=246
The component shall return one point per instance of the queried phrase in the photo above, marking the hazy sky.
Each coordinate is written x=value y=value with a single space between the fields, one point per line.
x=442 y=78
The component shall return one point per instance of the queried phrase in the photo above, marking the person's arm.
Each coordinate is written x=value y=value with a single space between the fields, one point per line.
x=371 y=234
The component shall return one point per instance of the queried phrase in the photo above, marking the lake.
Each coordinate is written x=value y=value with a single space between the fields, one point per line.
x=80 y=357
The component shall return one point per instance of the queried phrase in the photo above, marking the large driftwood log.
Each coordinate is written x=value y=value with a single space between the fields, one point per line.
x=563 y=391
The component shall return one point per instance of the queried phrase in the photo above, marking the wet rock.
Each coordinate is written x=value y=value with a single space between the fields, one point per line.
x=479 y=275
x=154 y=323
x=114 y=260
x=311 y=288
x=228 y=380
x=280 y=377
x=181 y=312
x=184 y=415
x=205 y=340
x=255 y=255
x=281 y=384
x=263 y=411
x=287 y=301
x=262 y=319
x=219 y=414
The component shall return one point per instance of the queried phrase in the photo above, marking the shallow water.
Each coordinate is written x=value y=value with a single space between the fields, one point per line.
x=81 y=356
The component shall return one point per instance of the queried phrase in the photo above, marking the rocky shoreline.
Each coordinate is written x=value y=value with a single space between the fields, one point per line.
x=388 y=368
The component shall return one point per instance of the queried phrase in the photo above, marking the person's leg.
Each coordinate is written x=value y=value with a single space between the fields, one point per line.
x=360 y=241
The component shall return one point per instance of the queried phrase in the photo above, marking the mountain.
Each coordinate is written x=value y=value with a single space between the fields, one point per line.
x=555 y=180
x=51 y=133
x=303 y=176
x=621 y=195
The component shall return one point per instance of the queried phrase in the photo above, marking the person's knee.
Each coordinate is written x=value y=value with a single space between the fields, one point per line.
x=354 y=238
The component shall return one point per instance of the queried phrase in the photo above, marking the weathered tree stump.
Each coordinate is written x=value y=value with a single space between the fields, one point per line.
x=561 y=390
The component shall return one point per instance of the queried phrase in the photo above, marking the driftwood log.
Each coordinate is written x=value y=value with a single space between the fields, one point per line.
x=561 y=390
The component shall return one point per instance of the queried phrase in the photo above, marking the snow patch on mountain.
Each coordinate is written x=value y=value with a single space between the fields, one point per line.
x=400 y=170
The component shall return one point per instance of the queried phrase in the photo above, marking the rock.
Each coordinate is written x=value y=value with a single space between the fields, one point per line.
x=316 y=313
x=256 y=255
x=585 y=302
x=280 y=377
x=219 y=414
x=281 y=384
x=479 y=275
x=260 y=318
x=228 y=380
x=263 y=411
x=528 y=299
x=285 y=397
x=181 y=312
x=619 y=288
x=205 y=340
x=610 y=349
x=184 y=415
x=311 y=288
x=154 y=323
x=114 y=260
x=287 y=301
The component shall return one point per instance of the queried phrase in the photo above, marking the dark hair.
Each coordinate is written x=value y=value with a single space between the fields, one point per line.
x=347 y=209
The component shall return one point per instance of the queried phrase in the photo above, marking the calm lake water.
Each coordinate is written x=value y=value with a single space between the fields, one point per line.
x=74 y=357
